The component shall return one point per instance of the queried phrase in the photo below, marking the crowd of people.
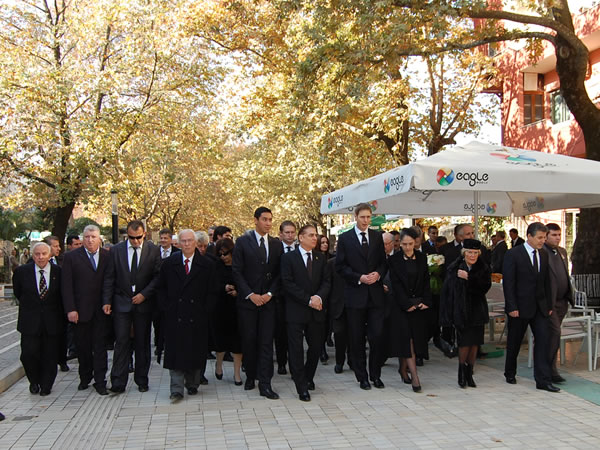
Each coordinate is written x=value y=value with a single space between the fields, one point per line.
x=204 y=292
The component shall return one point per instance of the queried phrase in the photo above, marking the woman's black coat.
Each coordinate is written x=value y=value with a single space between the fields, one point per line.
x=463 y=302
x=400 y=282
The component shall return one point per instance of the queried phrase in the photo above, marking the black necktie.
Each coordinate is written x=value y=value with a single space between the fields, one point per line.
x=365 y=243
x=288 y=249
x=134 y=266
x=262 y=249
x=309 y=265
x=43 y=285
x=535 y=261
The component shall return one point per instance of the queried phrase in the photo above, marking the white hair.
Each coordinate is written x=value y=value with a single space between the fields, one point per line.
x=38 y=244
x=388 y=237
x=91 y=227
x=186 y=230
x=202 y=237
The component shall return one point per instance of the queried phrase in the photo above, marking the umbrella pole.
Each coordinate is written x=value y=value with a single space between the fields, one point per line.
x=476 y=213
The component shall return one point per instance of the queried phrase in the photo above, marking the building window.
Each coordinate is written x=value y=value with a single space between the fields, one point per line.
x=533 y=106
x=560 y=111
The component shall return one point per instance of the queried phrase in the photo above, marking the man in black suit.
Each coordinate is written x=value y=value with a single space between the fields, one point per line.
x=37 y=287
x=56 y=258
x=82 y=284
x=515 y=240
x=562 y=292
x=360 y=260
x=166 y=249
x=429 y=245
x=187 y=294
x=287 y=235
x=129 y=288
x=498 y=251
x=256 y=274
x=305 y=283
x=528 y=301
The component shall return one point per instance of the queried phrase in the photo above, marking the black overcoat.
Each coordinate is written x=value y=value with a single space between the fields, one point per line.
x=463 y=302
x=187 y=301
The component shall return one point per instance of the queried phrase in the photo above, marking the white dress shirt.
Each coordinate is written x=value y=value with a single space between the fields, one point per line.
x=96 y=256
x=359 y=236
x=305 y=254
x=38 y=276
x=530 y=250
x=266 y=239
x=165 y=252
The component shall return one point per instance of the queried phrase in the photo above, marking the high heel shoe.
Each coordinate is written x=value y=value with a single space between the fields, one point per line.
x=417 y=388
x=218 y=376
x=238 y=383
x=405 y=379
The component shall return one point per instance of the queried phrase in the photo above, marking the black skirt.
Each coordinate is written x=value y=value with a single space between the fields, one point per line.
x=404 y=326
x=470 y=336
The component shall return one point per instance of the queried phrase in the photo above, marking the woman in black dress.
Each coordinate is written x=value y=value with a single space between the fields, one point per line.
x=412 y=299
x=227 y=338
x=464 y=306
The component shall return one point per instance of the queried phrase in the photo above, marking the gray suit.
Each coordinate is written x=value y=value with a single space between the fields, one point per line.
x=118 y=292
x=561 y=290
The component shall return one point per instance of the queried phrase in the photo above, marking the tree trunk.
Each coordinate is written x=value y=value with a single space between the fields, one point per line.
x=572 y=65
x=62 y=215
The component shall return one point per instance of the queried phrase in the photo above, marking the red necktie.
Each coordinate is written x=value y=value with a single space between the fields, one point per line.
x=187 y=267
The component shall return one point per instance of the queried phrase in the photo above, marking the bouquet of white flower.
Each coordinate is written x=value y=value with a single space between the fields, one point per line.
x=434 y=263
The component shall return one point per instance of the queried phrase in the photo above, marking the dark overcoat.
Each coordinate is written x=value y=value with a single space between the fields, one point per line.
x=187 y=300
x=463 y=302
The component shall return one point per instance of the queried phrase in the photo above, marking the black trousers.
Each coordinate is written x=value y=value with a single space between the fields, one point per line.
x=340 y=335
x=39 y=355
x=540 y=326
x=369 y=320
x=90 y=340
x=257 y=328
x=559 y=311
x=62 y=342
x=303 y=372
x=122 y=322
x=281 y=336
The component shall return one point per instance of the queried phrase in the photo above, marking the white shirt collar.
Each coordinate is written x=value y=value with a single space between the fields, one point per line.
x=191 y=258
x=129 y=246
x=357 y=231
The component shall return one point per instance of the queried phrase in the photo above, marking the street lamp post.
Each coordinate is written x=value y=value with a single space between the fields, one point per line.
x=115 y=217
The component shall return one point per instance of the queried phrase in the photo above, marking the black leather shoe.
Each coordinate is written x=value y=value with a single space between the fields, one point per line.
x=101 y=390
x=218 y=376
x=305 y=396
x=311 y=385
x=34 y=388
x=419 y=362
x=227 y=357
x=116 y=389
x=2 y=417
x=324 y=357
x=176 y=396
x=203 y=380
x=365 y=385
x=192 y=391
x=416 y=388
x=83 y=386
x=269 y=393
x=238 y=383
x=281 y=370
x=511 y=380
x=44 y=392
x=211 y=355
x=558 y=379
x=378 y=383
x=250 y=384
x=338 y=368
x=547 y=387
x=143 y=388
x=64 y=367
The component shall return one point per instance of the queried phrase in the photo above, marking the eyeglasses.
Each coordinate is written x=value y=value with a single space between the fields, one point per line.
x=135 y=238
x=224 y=253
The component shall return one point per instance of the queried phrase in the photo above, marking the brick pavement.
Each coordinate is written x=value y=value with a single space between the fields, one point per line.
x=340 y=415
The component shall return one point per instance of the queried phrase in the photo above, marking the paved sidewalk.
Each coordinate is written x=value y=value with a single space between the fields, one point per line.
x=222 y=415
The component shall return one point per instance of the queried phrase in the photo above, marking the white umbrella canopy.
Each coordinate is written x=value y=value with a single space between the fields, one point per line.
x=476 y=179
